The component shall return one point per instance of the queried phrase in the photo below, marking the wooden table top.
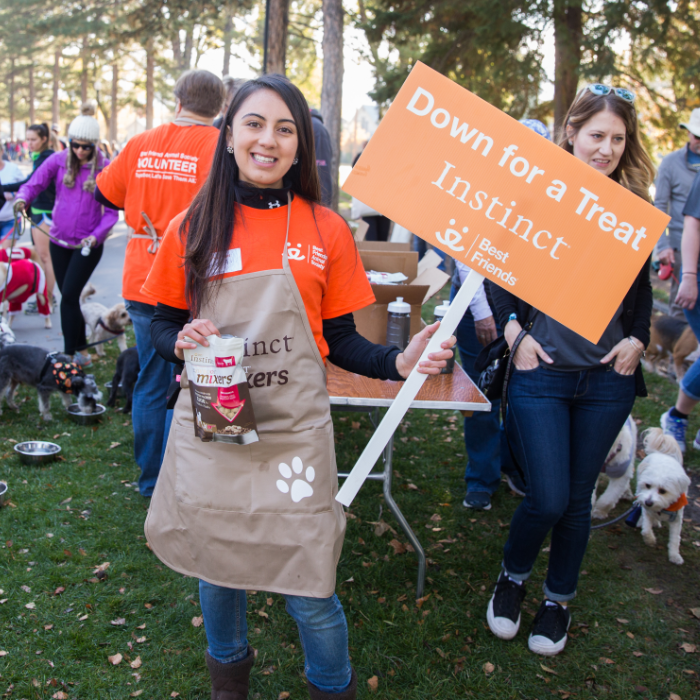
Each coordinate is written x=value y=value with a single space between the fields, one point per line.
x=443 y=391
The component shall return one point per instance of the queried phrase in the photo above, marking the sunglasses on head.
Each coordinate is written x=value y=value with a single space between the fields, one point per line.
x=85 y=146
x=602 y=90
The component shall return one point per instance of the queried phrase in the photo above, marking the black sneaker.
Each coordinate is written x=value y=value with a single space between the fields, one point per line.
x=548 y=636
x=503 y=613
x=478 y=500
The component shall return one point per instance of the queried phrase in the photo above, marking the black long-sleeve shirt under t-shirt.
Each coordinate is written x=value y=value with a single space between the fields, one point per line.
x=347 y=348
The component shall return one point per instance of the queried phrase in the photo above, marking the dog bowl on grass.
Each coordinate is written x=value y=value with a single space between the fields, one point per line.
x=120 y=389
x=37 y=452
x=77 y=416
x=3 y=493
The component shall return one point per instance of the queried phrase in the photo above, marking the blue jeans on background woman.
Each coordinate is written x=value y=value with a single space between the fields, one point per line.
x=690 y=384
x=564 y=424
x=322 y=629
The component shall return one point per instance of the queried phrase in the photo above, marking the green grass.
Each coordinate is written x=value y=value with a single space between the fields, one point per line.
x=435 y=649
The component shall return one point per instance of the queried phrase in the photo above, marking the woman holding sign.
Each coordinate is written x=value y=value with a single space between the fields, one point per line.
x=569 y=398
x=265 y=262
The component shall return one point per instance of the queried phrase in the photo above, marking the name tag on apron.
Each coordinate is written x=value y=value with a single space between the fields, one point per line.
x=232 y=263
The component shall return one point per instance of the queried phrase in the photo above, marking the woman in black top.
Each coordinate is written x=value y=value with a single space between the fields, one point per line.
x=38 y=138
x=569 y=398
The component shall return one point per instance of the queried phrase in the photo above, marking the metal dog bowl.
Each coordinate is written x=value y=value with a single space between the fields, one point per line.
x=37 y=452
x=77 y=416
x=3 y=493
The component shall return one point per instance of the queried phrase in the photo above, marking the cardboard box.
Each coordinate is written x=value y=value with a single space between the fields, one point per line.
x=396 y=257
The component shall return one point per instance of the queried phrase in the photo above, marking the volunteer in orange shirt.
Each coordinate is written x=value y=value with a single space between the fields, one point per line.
x=155 y=176
x=264 y=261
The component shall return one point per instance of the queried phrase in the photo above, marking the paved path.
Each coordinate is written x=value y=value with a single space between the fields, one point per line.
x=107 y=280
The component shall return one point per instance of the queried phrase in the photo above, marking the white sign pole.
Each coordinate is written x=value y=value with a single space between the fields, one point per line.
x=404 y=399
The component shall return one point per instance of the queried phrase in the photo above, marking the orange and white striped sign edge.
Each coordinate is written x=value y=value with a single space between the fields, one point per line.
x=518 y=209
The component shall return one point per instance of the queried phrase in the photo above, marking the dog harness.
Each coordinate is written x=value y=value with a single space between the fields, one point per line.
x=101 y=323
x=615 y=471
x=63 y=372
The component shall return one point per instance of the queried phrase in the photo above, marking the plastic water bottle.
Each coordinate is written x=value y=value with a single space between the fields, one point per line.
x=440 y=312
x=398 y=325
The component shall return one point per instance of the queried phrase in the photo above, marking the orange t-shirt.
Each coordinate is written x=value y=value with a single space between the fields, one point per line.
x=158 y=172
x=324 y=261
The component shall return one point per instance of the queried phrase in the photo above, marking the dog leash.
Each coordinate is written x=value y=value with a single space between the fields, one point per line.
x=60 y=242
x=614 y=520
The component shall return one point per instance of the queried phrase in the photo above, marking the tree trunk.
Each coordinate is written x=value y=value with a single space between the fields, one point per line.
x=55 y=104
x=32 y=94
x=568 y=34
x=150 y=69
x=12 y=99
x=277 y=24
x=84 y=54
x=228 y=36
x=189 y=43
x=115 y=107
x=332 y=89
x=177 y=50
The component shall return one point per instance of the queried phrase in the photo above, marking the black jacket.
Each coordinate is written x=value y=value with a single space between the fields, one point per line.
x=636 y=312
x=46 y=199
x=324 y=157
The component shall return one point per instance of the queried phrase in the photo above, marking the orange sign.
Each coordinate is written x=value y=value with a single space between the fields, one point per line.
x=511 y=205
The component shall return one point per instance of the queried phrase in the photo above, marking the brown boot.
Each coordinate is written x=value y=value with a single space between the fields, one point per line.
x=350 y=693
x=230 y=681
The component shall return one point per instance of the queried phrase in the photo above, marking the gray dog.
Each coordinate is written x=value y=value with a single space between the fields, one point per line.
x=47 y=372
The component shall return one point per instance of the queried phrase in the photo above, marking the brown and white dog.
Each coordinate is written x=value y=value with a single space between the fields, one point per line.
x=673 y=340
x=104 y=323
x=19 y=280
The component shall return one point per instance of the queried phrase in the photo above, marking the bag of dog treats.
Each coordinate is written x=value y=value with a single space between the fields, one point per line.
x=221 y=404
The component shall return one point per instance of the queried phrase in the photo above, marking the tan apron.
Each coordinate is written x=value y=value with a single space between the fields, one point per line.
x=260 y=516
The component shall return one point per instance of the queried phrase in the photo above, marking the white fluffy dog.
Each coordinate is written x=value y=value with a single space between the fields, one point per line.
x=104 y=323
x=662 y=487
x=619 y=468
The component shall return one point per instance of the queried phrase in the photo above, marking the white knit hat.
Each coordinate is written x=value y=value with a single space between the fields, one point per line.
x=85 y=127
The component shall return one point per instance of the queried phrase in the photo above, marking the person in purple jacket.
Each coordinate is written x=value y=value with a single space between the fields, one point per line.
x=80 y=224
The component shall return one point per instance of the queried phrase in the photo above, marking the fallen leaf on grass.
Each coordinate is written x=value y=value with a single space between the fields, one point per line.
x=136 y=693
x=373 y=683
x=413 y=487
x=397 y=546
x=262 y=613
x=67 y=500
x=381 y=528
x=101 y=567
x=140 y=640
x=83 y=618
x=136 y=663
x=30 y=606
x=119 y=621
x=489 y=668
x=113 y=445
x=197 y=621
x=174 y=694
x=26 y=589
x=60 y=695
x=673 y=696
x=604 y=660
x=3 y=652
x=141 y=627
x=283 y=695
x=637 y=654
x=115 y=659
x=622 y=622
x=546 y=669
x=695 y=612
x=654 y=591
x=689 y=648
x=59 y=590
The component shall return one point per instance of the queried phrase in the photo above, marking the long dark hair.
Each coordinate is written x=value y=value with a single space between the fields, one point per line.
x=209 y=222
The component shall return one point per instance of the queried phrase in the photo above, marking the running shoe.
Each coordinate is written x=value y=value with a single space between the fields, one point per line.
x=31 y=308
x=503 y=613
x=549 y=629
x=675 y=427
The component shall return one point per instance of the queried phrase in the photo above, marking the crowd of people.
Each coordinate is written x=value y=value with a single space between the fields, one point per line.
x=209 y=233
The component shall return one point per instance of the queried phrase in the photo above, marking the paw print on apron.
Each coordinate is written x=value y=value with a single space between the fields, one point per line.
x=301 y=487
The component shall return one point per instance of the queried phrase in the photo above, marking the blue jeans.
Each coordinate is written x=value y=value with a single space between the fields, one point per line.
x=565 y=423
x=690 y=384
x=484 y=439
x=150 y=399
x=322 y=629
